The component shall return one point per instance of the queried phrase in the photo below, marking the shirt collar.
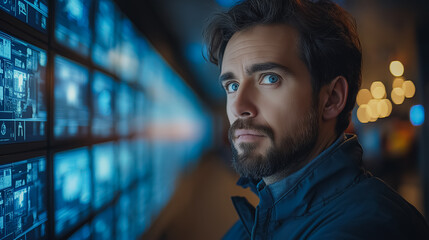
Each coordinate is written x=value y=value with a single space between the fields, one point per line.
x=277 y=189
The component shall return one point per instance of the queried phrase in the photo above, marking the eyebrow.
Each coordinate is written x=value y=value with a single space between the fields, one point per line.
x=258 y=67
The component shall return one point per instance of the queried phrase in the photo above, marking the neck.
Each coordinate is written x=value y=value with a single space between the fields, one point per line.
x=322 y=143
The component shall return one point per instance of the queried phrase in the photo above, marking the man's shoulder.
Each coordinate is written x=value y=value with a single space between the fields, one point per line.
x=371 y=208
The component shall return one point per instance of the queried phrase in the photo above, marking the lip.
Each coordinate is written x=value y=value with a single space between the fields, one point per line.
x=247 y=135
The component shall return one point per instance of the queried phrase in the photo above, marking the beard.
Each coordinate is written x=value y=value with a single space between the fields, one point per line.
x=288 y=156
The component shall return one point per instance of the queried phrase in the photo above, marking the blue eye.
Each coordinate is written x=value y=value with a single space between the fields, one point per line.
x=270 y=79
x=232 y=87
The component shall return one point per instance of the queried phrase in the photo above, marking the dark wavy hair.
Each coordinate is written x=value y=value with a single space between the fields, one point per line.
x=329 y=43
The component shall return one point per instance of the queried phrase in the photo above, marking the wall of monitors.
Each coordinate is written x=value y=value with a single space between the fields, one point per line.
x=90 y=114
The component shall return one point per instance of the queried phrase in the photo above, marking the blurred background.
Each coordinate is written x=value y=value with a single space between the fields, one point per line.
x=113 y=124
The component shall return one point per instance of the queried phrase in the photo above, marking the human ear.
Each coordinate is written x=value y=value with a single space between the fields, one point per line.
x=335 y=98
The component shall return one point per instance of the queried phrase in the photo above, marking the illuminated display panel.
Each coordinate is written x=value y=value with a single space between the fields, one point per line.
x=126 y=219
x=127 y=164
x=72 y=24
x=71 y=112
x=103 y=49
x=124 y=106
x=103 y=87
x=23 y=199
x=102 y=225
x=128 y=51
x=84 y=233
x=72 y=188
x=105 y=173
x=23 y=110
x=34 y=13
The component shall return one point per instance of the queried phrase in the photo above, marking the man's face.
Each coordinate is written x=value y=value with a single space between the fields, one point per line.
x=274 y=121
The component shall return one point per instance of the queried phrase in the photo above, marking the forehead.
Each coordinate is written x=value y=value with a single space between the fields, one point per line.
x=261 y=43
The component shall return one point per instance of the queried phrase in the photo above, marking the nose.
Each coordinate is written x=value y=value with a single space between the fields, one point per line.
x=243 y=104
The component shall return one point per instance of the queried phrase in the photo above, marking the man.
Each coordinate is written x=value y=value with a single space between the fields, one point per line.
x=291 y=70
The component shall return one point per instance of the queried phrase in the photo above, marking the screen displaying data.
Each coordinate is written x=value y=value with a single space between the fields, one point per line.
x=125 y=219
x=23 y=199
x=34 y=13
x=103 y=88
x=84 y=233
x=71 y=111
x=127 y=165
x=105 y=173
x=124 y=106
x=103 y=49
x=102 y=225
x=23 y=111
x=72 y=188
x=72 y=27
x=143 y=165
x=128 y=51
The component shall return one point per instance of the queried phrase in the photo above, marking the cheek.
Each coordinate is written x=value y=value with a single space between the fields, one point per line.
x=229 y=114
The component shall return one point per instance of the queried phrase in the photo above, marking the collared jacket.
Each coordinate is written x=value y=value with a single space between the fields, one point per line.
x=332 y=197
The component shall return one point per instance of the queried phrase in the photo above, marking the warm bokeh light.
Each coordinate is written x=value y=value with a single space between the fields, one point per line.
x=363 y=113
x=409 y=89
x=383 y=108
x=373 y=104
x=378 y=90
x=397 y=96
x=363 y=97
x=396 y=68
x=397 y=83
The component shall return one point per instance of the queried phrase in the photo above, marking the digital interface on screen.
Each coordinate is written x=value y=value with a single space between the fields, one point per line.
x=125 y=219
x=141 y=112
x=103 y=87
x=103 y=49
x=105 y=177
x=23 y=199
x=72 y=188
x=124 y=106
x=126 y=160
x=143 y=206
x=142 y=158
x=23 y=111
x=71 y=111
x=129 y=51
x=34 y=13
x=84 y=233
x=72 y=24
x=102 y=225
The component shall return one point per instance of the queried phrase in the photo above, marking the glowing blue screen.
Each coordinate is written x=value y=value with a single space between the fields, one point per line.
x=23 y=111
x=71 y=114
x=72 y=188
x=102 y=98
x=72 y=24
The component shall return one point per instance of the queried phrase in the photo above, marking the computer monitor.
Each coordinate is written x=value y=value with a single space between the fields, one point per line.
x=34 y=13
x=141 y=112
x=125 y=107
x=102 y=225
x=71 y=111
x=103 y=88
x=128 y=63
x=105 y=173
x=83 y=233
x=127 y=164
x=103 y=49
x=23 y=111
x=23 y=199
x=143 y=163
x=72 y=188
x=126 y=219
x=72 y=24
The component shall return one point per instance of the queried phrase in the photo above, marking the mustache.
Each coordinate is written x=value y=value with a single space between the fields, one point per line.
x=248 y=124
